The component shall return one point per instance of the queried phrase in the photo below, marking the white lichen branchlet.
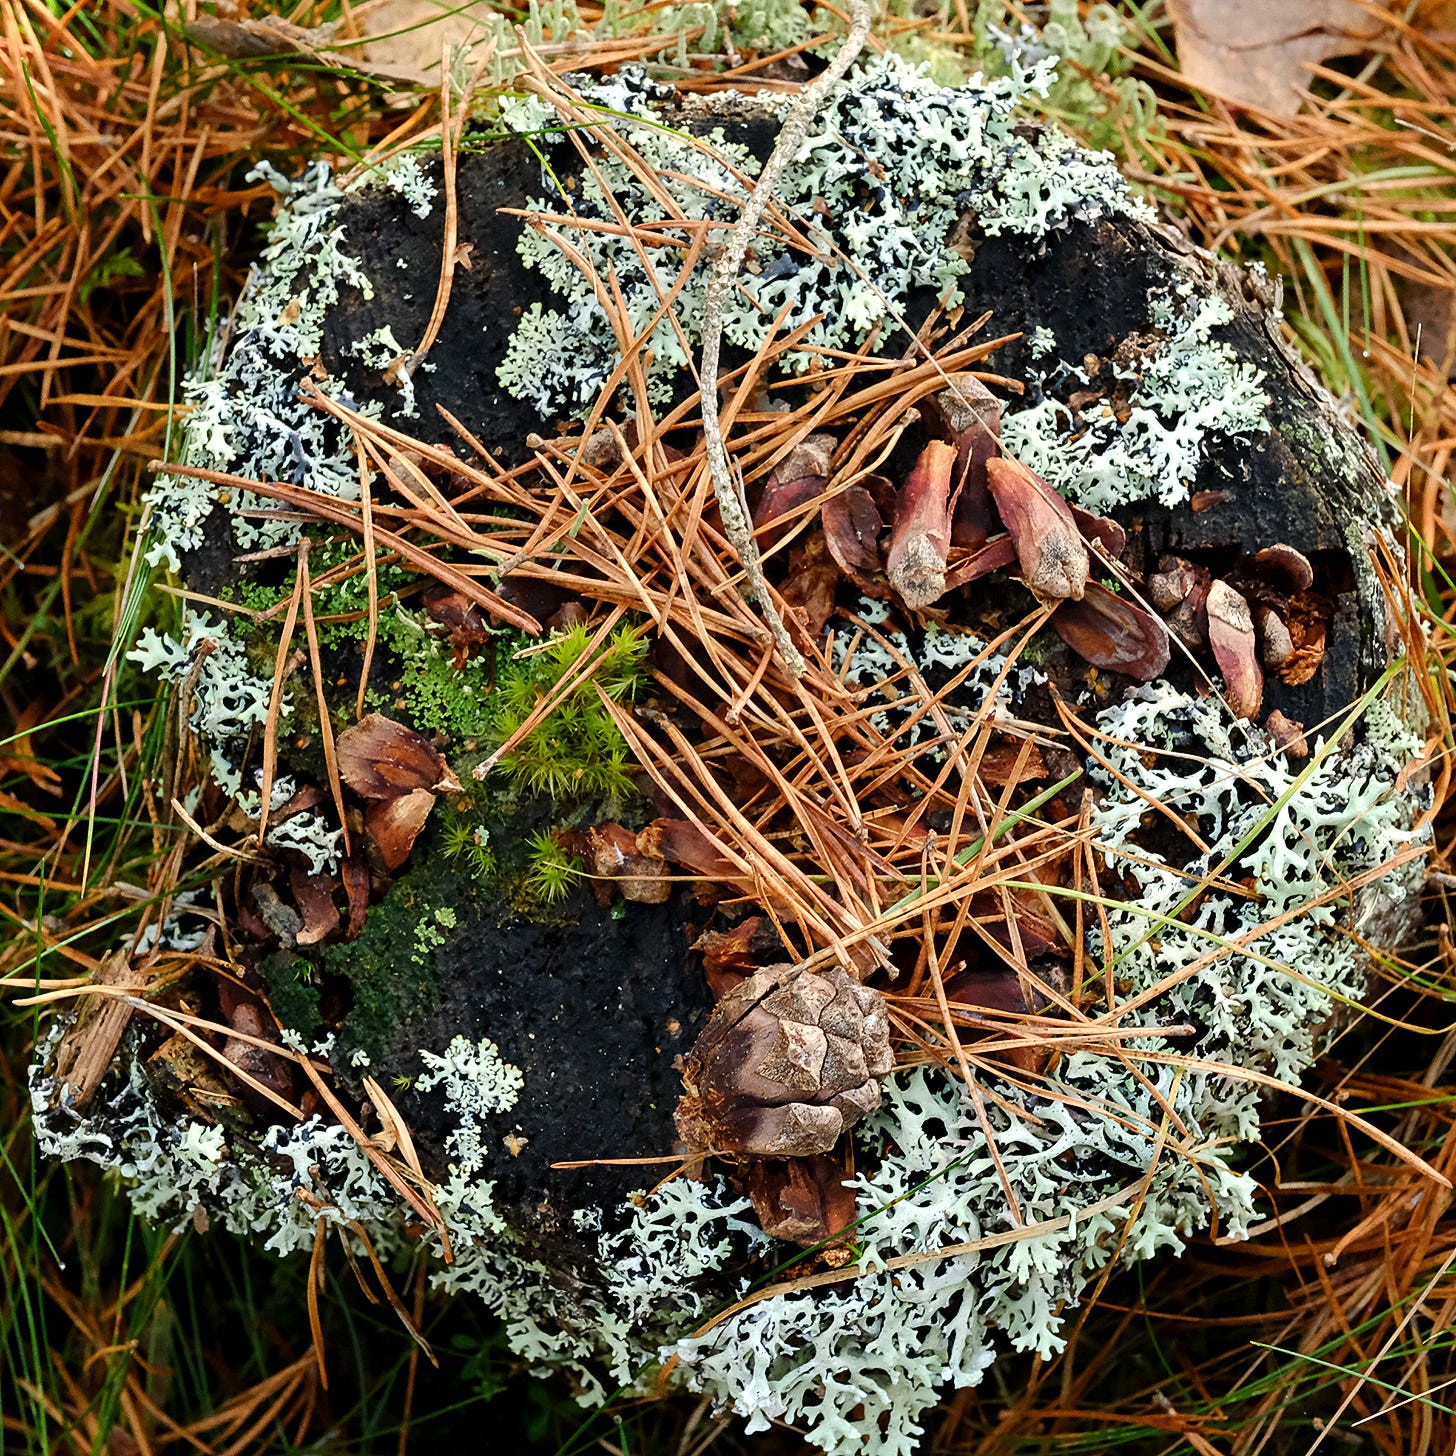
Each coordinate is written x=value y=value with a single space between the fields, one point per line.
x=223 y=698
x=876 y=1352
x=878 y=663
x=181 y=929
x=478 y=1085
x=1188 y=391
x=403 y=174
x=310 y=835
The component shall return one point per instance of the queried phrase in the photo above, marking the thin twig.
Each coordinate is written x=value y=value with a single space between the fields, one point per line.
x=721 y=281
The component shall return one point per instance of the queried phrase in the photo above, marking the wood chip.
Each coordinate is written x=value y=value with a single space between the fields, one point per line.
x=1113 y=633
x=87 y=1048
x=382 y=759
x=1231 y=635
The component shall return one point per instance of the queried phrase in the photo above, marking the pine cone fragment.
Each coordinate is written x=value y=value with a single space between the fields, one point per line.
x=788 y=1060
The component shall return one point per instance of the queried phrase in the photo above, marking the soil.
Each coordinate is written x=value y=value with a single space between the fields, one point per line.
x=594 y=1008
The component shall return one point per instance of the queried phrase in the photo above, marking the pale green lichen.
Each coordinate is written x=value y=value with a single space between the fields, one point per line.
x=1094 y=47
x=1188 y=392
x=882 y=664
x=1089 y=1152
x=247 y=417
x=1041 y=342
x=880 y=231
x=404 y=175
x=226 y=700
x=776 y=25
x=477 y=1084
x=1092 y=1152
x=309 y=835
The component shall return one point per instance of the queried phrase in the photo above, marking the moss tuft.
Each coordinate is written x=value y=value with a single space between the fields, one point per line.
x=553 y=872
x=577 y=753
x=390 y=969
x=291 y=993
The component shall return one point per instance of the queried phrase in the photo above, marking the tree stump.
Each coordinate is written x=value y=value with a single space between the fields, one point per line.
x=991 y=812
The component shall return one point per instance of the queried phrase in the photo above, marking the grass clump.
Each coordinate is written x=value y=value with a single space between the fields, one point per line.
x=467 y=843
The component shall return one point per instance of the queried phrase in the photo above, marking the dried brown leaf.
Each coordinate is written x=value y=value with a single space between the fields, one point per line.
x=996 y=555
x=266 y=1068
x=811 y=583
x=1259 y=55
x=804 y=1201
x=730 y=956
x=1004 y=758
x=1101 y=529
x=407 y=37
x=1288 y=734
x=691 y=846
x=355 y=875
x=970 y=415
x=999 y=989
x=465 y=619
x=314 y=896
x=614 y=853
x=783 y=498
x=1036 y=932
x=1205 y=500
x=852 y=527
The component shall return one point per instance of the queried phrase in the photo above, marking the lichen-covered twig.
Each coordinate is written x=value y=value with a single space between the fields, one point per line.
x=731 y=504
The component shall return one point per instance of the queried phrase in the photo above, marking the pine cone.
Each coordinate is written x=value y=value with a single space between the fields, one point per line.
x=788 y=1060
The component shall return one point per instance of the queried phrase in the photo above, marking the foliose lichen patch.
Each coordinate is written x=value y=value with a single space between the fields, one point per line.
x=1186 y=389
x=875 y=656
x=247 y=417
x=879 y=232
x=1110 y=1165
x=942 y=158
x=1104 y=1164
x=228 y=700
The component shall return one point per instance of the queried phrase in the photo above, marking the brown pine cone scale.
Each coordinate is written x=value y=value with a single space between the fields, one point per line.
x=788 y=1061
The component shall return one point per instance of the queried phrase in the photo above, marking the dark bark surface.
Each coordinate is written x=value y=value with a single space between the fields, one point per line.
x=594 y=1008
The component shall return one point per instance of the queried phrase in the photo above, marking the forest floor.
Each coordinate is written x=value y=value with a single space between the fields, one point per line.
x=128 y=220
